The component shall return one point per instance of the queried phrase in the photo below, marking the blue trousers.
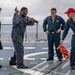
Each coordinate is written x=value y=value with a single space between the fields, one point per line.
x=72 y=53
x=53 y=38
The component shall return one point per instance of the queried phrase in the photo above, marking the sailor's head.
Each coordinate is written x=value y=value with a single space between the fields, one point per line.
x=53 y=11
x=24 y=11
x=70 y=12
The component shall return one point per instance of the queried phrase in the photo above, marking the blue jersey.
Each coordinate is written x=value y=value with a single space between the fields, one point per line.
x=53 y=25
x=69 y=24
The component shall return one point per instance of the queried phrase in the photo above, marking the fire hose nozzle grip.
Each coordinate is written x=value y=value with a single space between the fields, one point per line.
x=36 y=21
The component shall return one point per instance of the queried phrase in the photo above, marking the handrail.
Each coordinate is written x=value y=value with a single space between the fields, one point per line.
x=26 y=33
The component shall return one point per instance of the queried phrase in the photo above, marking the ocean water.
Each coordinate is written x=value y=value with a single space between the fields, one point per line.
x=30 y=32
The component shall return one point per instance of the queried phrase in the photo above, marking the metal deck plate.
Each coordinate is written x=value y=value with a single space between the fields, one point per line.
x=35 y=58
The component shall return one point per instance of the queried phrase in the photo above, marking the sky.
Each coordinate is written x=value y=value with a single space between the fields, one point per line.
x=39 y=9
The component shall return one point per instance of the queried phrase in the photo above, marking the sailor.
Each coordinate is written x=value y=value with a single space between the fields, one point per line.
x=53 y=25
x=20 y=22
x=1 y=47
x=70 y=24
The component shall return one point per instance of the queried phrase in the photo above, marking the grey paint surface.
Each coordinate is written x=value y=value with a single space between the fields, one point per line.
x=51 y=68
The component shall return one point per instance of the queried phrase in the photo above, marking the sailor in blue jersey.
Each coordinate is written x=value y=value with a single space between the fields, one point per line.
x=53 y=25
x=70 y=24
x=20 y=22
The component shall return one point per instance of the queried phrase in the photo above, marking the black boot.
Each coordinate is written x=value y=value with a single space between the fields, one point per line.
x=13 y=60
x=49 y=59
x=72 y=67
x=59 y=59
x=22 y=67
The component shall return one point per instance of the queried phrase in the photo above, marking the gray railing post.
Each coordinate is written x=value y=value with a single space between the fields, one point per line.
x=26 y=35
x=36 y=37
x=36 y=32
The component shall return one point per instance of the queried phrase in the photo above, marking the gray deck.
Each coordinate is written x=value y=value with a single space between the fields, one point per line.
x=35 y=58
